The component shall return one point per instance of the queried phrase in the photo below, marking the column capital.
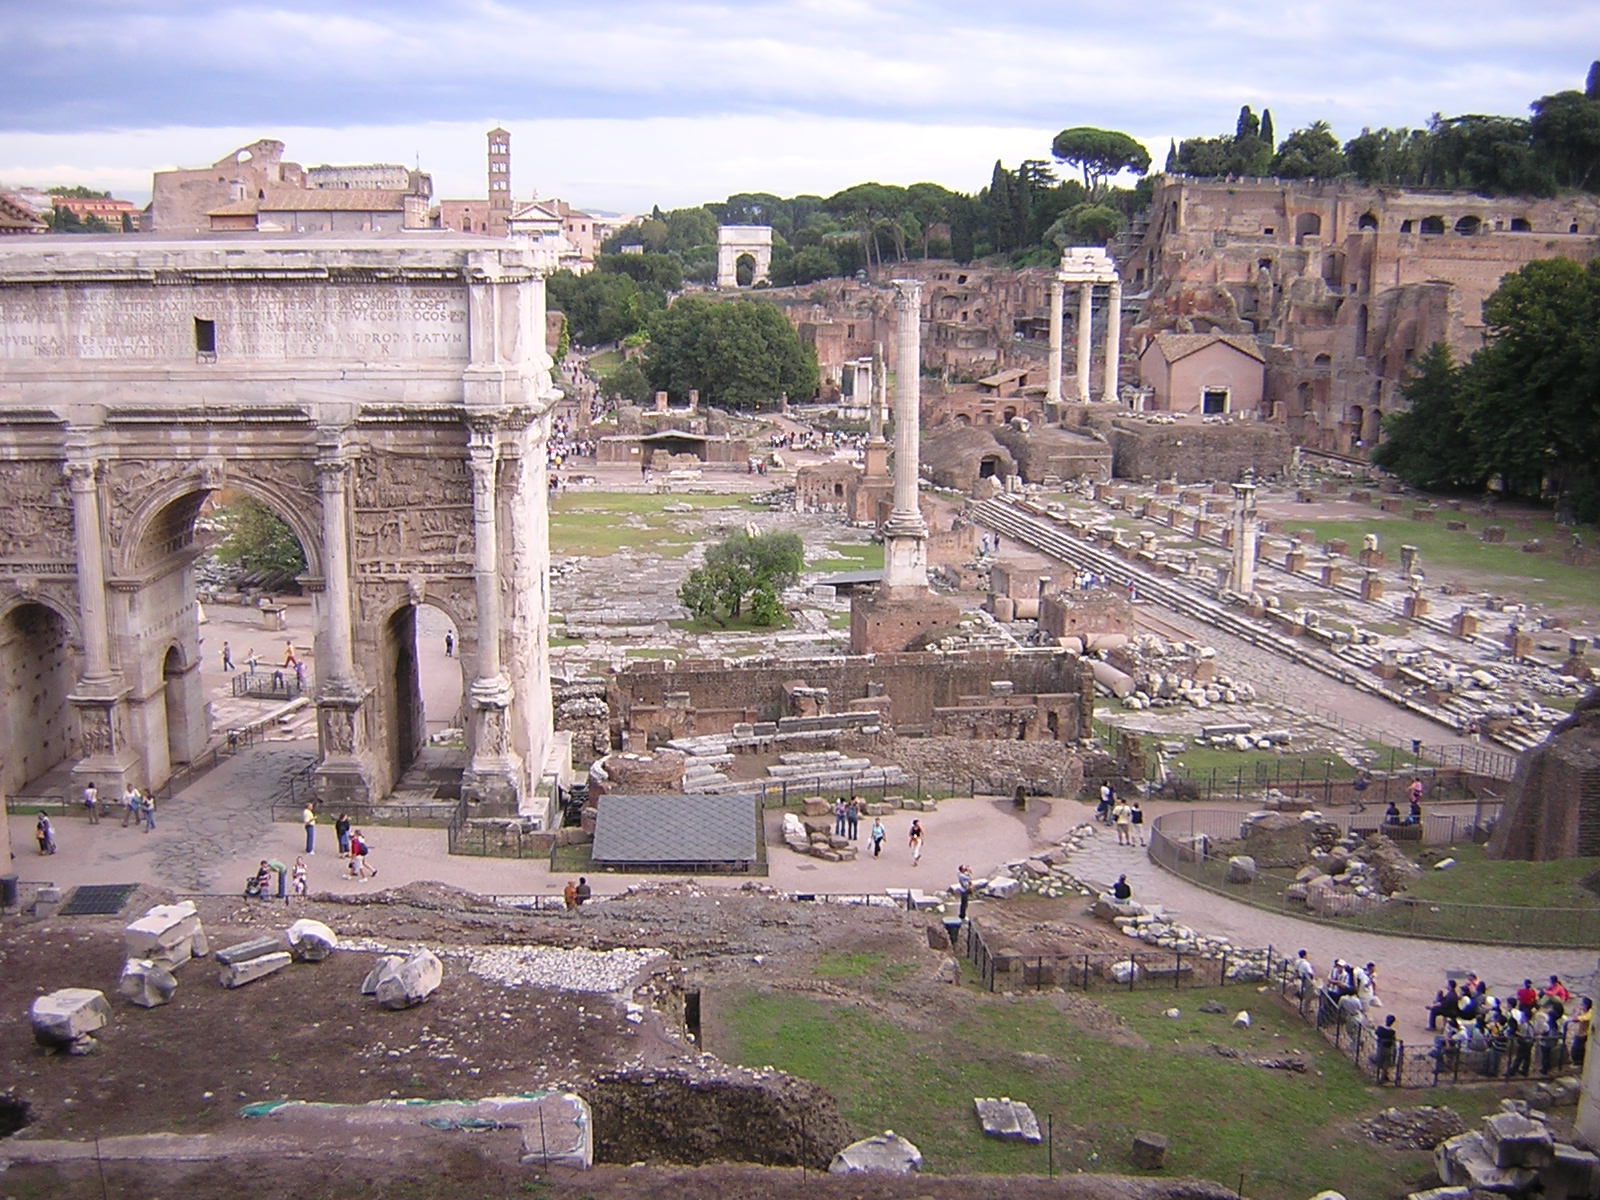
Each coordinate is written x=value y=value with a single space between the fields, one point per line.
x=332 y=473
x=907 y=294
x=82 y=474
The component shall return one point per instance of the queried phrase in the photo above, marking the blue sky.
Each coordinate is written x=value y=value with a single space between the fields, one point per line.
x=617 y=104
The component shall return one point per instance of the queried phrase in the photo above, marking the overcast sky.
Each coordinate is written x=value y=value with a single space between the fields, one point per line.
x=619 y=104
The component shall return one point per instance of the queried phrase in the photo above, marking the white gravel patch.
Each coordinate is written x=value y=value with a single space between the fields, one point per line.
x=577 y=970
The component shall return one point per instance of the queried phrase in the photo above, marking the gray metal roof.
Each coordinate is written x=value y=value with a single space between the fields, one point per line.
x=676 y=829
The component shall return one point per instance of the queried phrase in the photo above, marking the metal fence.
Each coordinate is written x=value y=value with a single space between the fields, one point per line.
x=869 y=787
x=505 y=840
x=1137 y=968
x=277 y=684
x=434 y=814
x=1185 y=843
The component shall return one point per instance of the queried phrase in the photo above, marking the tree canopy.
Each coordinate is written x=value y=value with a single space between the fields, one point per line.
x=742 y=576
x=1525 y=408
x=260 y=545
x=737 y=354
x=1099 y=154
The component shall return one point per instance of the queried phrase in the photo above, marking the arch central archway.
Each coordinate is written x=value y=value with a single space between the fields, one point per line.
x=38 y=666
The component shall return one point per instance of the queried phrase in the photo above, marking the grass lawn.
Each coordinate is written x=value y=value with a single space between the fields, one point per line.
x=1541 y=578
x=601 y=523
x=850 y=556
x=605 y=362
x=741 y=624
x=1287 y=1133
x=1555 y=884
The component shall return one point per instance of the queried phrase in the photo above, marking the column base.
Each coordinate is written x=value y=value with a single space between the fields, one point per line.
x=493 y=789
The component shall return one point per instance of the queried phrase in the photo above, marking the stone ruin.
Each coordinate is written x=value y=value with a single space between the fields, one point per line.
x=1338 y=873
x=1513 y=1153
x=1554 y=807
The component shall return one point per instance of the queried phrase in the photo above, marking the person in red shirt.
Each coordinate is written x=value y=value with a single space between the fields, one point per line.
x=1526 y=996
x=1558 y=990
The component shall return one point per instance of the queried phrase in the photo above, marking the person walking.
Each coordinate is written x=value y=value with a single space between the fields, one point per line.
x=838 y=817
x=308 y=818
x=915 y=842
x=299 y=881
x=877 y=833
x=147 y=806
x=130 y=806
x=250 y=660
x=1137 y=816
x=852 y=818
x=227 y=657
x=45 y=833
x=91 y=802
x=1122 y=818
x=449 y=644
x=341 y=829
x=360 y=868
x=964 y=888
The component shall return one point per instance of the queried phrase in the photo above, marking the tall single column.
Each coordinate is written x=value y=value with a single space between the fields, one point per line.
x=905 y=560
x=880 y=391
x=485 y=555
x=493 y=779
x=1058 y=293
x=91 y=563
x=333 y=476
x=1113 y=341
x=1085 y=338
x=1242 y=577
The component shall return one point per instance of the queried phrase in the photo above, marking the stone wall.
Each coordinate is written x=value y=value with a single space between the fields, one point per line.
x=910 y=686
x=1554 y=807
x=1193 y=452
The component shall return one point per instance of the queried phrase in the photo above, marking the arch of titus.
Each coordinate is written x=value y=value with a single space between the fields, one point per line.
x=388 y=398
x=1085 y=268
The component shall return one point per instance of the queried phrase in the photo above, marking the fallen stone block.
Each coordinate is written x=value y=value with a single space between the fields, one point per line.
x=1463 y=1161
x=1442 y=1193
x=384 y=966
x=1002 y=888
x=1241 y=869
x=168 y=934
x=416 y=978
x=886 y=1154
x=311 y=941
x=1149 y=1150
x=237 y=974
x=146 y=983
x=1514 y=1140
x=62 y=1017
x=1574 y=1173
x=1007 y=1119
x=254 y=948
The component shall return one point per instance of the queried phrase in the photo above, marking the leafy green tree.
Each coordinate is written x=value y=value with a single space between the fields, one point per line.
x=1309 y=153
x=602 y=306
x=260 y=545
x=79 y=192
x=661 y=272
x=1085 y=225
x=806 y=265
x=743 y=572
x=627 y=383
x=1266 y=129
x=1427 y=444
x=1565 y=135
x=563 y=340
x=739 y=354
x=1099 y=154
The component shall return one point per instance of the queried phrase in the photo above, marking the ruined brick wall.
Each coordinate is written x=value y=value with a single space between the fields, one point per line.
x=1081 y=613
x=1193 y=452
x=915 y=684
x=1554 y=807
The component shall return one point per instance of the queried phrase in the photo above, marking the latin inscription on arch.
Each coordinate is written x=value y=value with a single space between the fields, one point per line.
x=288 y=320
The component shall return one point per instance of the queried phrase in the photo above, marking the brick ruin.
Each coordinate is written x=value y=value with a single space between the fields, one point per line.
x=1344 y=284
x=1554 y=806
x=1031 y=695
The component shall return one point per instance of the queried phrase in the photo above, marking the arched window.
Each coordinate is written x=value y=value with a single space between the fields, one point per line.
x=1521 y=225
x=1469 y=226
x=1307 y=225
x=1432 y=226
x=1368 y=221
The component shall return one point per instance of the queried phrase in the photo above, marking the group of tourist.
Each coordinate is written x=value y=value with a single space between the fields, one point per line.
x=1125 y=816
x=847 y=813
x=296 y=878
x=564 y=445
x=576 y=894
x=1488 y=1033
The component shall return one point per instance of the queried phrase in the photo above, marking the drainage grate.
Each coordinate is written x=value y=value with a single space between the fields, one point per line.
x=97 y=900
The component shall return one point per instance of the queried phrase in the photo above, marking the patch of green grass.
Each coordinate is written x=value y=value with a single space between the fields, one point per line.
x=850 y=556
x=1557 y=884
x=605 y=362
x=1541 y=578
x=602 y=523
x=1286 y=1133
x=652 y=652
x=839 y=620
x=575 y=860
x=739 y=624
x=558 y=640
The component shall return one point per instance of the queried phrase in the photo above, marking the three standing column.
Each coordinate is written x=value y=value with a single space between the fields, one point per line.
x=1085 y=338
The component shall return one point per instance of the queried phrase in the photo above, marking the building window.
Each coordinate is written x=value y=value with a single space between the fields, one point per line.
x=1213 y=401
x=205 y=340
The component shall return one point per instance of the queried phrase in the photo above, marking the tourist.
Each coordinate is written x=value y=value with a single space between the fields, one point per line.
x=147 y=806
x=360 y=868
x=838 y=817
x=1122 y=890
x=289 y=658
x=1523 y=1038
x=852 y=817
x=1305 y=974
x=1358 y=791
x=582 y=892
x=308 y=818
x=915 y=842
x=1414 y=813
x=964 y=888
x=1136 y=815
x=250 y=660
x=263 y=881
x=1122 y=818
x=45 y=833
x=1578 y=1030
x=299 y=879
x=1391 y=815
x=449 y=644
x=877 y=834
x=282 y=872
x=1446 y=1004
x=91 y=802
x=1102 y=811
x=569 y=895
x=130 y=806
x=1559 y=990
x=1385 y=1037
x=1526 y=997
x=341 y=830
x=227 y=657
x=1414 y=792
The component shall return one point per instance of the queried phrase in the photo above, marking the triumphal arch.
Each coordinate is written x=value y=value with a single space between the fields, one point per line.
x=389 y=398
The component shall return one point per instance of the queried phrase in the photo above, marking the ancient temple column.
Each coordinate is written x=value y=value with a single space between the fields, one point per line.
x=1058 y=293
x=1113 y=341
x=1085 y=338
x=91 y=565
x=333 y=475
x=1242 y=577
x=485 y=555
x=905 y=532
x=880 y=392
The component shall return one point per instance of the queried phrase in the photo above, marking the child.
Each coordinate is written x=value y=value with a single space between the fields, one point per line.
x=299 y=877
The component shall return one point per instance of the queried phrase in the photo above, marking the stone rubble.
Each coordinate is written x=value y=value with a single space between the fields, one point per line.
x=885 y=1154
x=168 y=934
x=1007 y=1119
x=66 y=1019
x=311 y=941
x=146 y=983
x=574 y=970
x=411 y=981
x=1515 y=1153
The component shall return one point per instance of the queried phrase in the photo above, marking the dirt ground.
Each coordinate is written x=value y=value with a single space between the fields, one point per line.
x=307 y=1033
